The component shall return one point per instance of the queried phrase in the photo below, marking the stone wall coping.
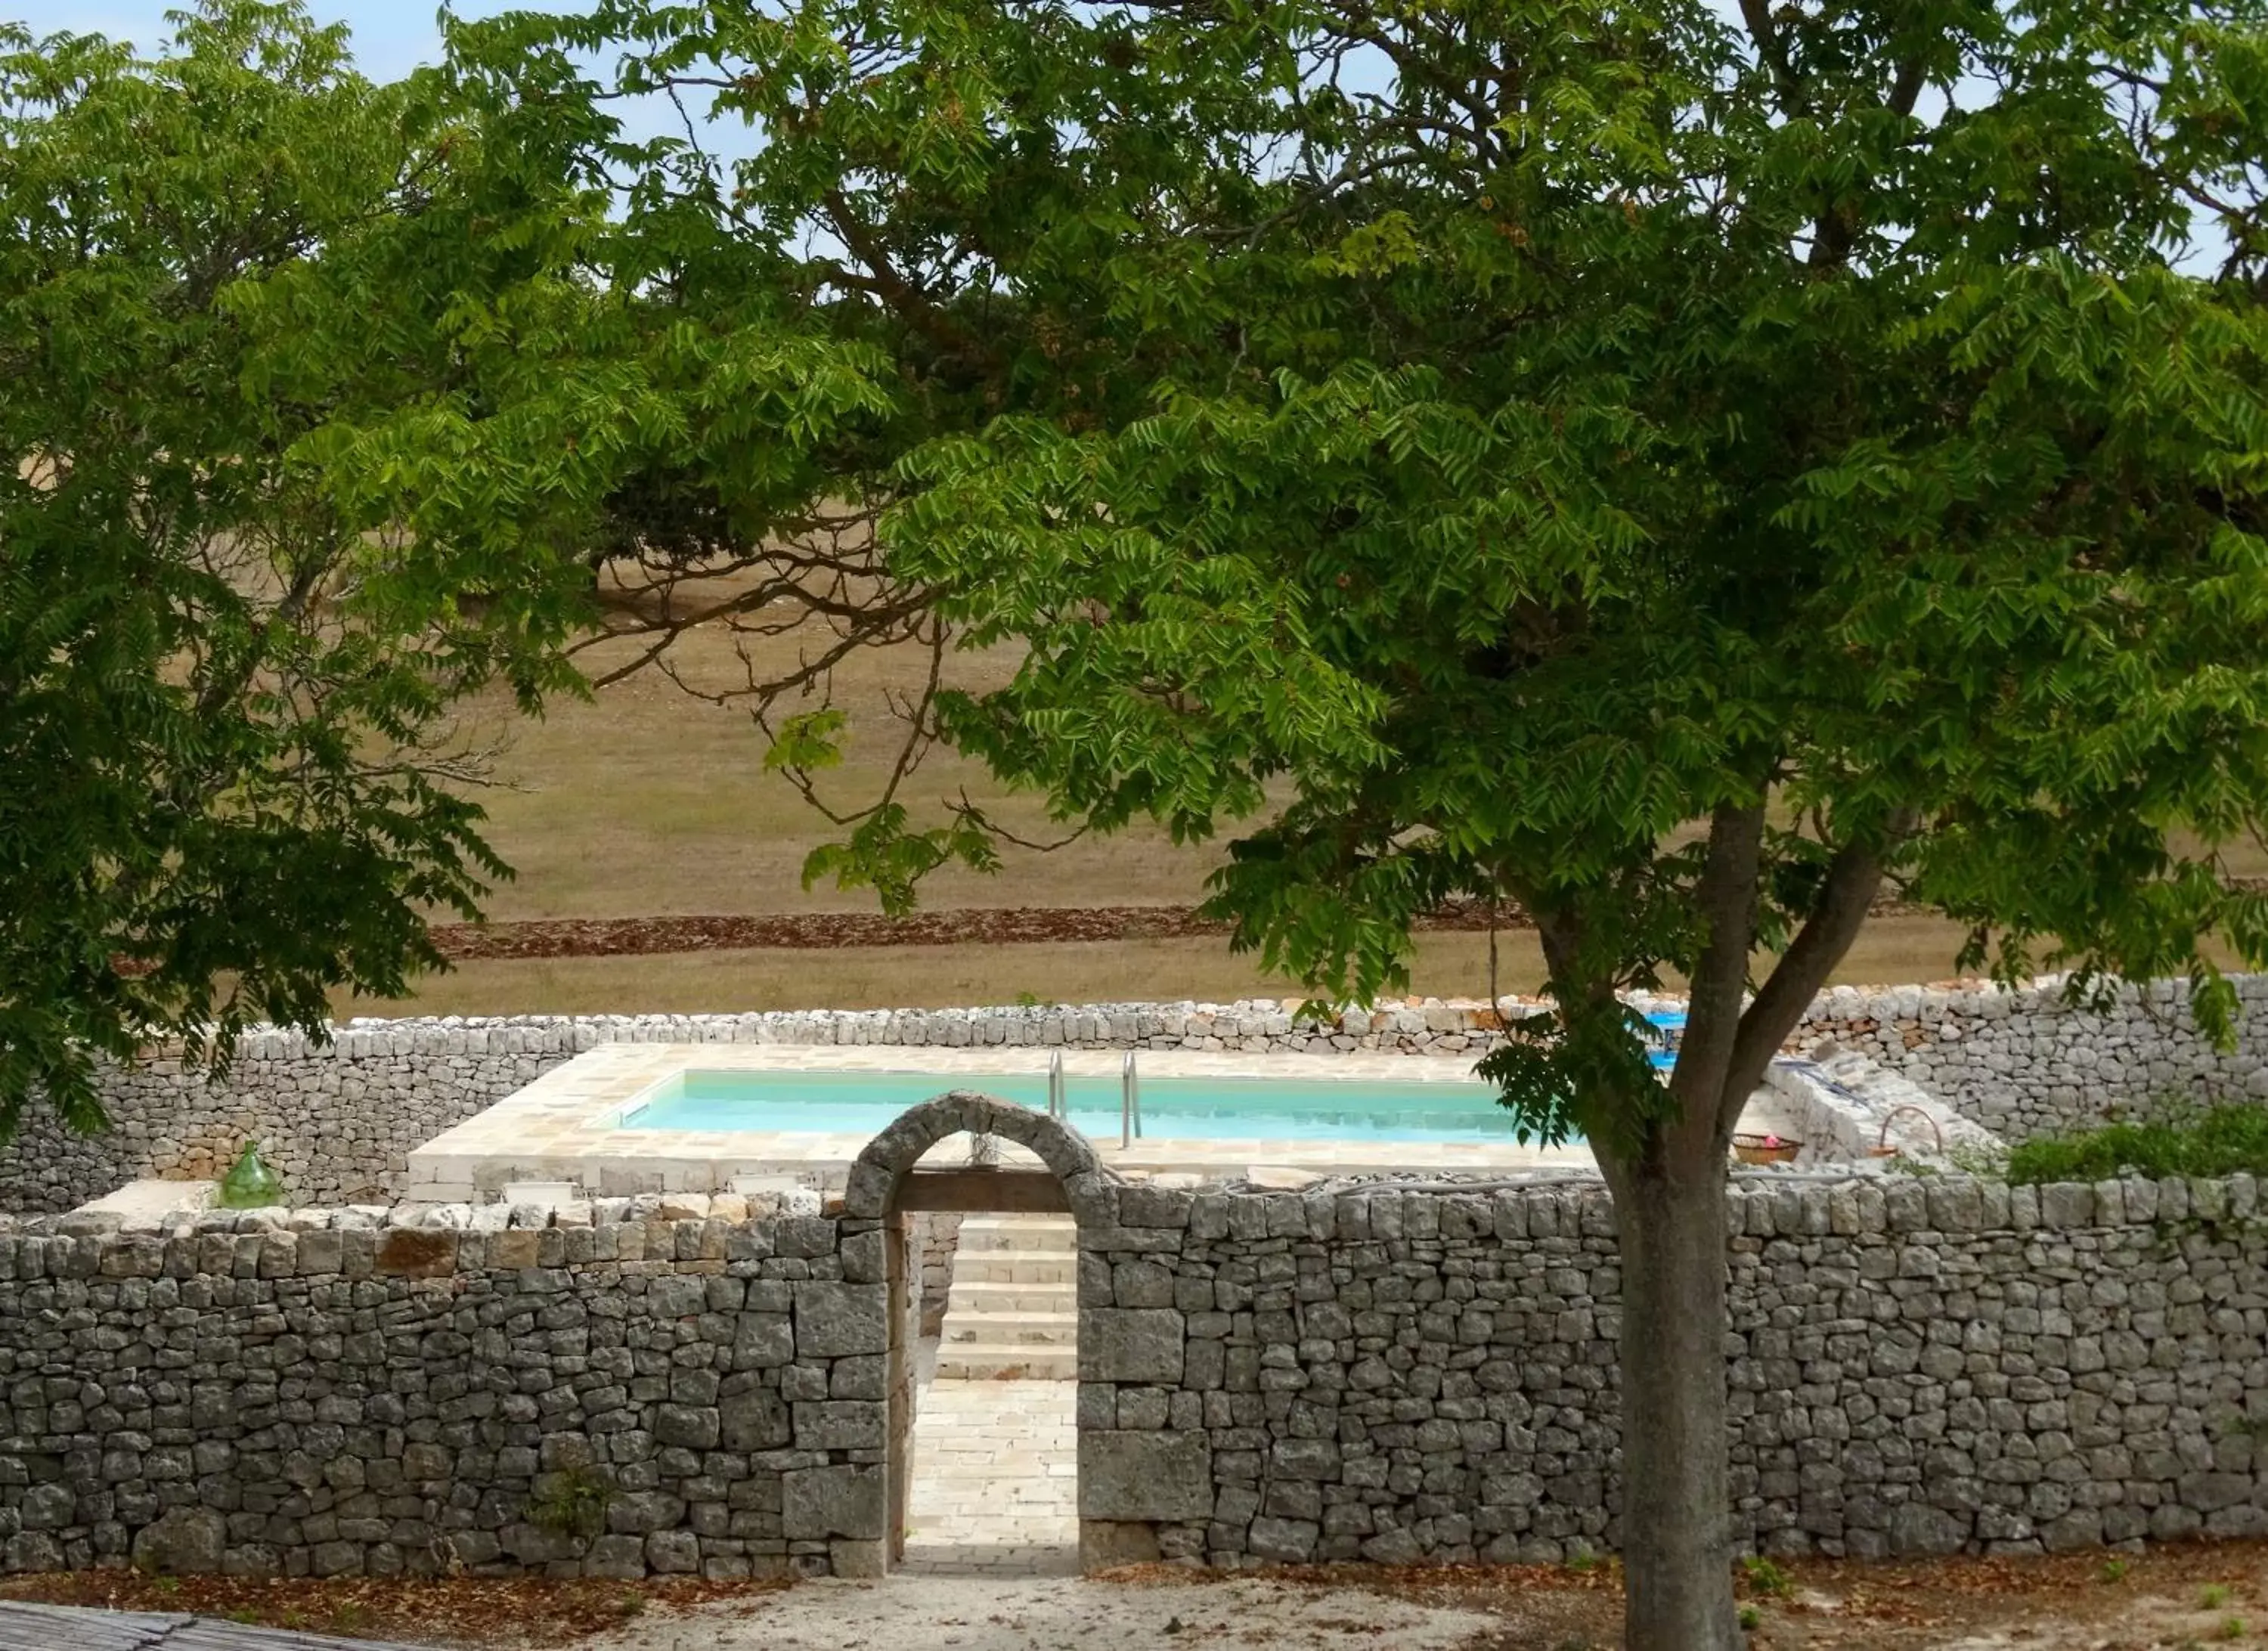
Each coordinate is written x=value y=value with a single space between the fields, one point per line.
x=1126 y=1218
x=534 y=1034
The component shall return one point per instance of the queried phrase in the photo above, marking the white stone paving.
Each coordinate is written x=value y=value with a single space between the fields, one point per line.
x=563 y=1126
x=995 y=1479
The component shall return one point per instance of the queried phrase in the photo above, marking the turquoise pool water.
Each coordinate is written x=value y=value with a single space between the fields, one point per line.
x=1173 y=1108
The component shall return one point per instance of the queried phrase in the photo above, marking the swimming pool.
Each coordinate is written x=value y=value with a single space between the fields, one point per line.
x=1173 y=1108
x=1212 y=1107
x=627 y=1118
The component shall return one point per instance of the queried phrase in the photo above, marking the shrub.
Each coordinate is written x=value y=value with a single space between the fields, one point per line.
x=2219 y=1141
x=572 y=1503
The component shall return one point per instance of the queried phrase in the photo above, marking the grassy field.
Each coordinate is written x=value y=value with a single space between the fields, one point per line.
x=644 y=801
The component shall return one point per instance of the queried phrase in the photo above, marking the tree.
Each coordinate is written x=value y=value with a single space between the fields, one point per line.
x=1676 y=471
x=255 y=315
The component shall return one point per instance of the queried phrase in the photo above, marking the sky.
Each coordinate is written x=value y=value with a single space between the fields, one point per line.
x=391 y=37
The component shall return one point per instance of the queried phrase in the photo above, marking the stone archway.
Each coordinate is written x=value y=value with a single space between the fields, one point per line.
x=886 y=1186
x=878 y=1173
x=1144 y=1455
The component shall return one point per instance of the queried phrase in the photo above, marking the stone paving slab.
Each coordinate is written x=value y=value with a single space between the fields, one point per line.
x=995 y=1479
x=32 y=1627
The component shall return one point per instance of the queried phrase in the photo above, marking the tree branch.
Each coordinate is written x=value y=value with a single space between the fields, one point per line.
x=1905 y=91
x=1757 y=15
x=1852 y=878
x=1726 y=897
x=901 y=294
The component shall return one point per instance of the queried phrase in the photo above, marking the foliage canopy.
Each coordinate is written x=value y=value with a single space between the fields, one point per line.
x=254 y=312
x=1673 y=467
x=1519 y=434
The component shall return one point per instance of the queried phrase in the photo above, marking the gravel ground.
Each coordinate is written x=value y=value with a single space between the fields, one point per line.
x=2183 y=1596
x=1043 y=1614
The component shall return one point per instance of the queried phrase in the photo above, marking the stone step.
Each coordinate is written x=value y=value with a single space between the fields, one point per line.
x=996 y=1362
x=990 y=1234
x=1012 y=1310
x=1014 y=1330
x=986 y=1297
x=1018 y=1266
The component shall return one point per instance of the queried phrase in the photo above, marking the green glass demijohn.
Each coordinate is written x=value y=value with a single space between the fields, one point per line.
x=250 y=1185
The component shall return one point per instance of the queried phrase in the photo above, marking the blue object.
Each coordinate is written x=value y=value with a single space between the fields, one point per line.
x=1671 y=1024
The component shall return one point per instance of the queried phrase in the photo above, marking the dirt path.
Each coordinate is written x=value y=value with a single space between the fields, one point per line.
x=1065 y=1614
x=2180 y=1599
x=2187 y=1597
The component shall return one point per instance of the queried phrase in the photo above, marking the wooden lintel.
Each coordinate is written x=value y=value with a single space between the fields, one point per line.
x=970 y=1191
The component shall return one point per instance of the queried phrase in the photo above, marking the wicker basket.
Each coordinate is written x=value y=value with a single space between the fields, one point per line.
x=1765 y=1149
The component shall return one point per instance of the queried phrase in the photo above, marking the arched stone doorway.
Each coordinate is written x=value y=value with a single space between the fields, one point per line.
x=1144 y=1469
x=879 y=1172
x=888 y=1184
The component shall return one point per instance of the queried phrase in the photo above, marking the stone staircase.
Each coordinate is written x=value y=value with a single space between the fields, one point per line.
x=1012 y=1312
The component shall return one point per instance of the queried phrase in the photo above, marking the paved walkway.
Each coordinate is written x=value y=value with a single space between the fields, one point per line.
x=995 y=1479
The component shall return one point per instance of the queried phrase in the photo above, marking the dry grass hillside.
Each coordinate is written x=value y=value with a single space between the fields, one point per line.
x=645 y=801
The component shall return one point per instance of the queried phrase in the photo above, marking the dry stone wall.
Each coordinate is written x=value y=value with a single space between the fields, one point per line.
x=1917 y=1366
x=935 y=1238
x=2025 y=1063
x=340 y=1120
x=329 y=1394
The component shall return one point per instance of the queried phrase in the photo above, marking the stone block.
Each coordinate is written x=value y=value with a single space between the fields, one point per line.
x=642 y=1512
x=508 y=1251
x=762 y=1341
x=1104 y=1543
x=1282 y=1541
x=840 y=1424
x=322 y=1253
x=1398 y=1546
x=1304 y=1459
x=619 y=1556
x=1141 y=1206
x=672 y=1297
x=188 y=1541
x=1132 y=1345
x=48 y=1507
x=833 y=1320
x=757 y=1419
x=856 y=1562
x=32 y=1551
x=2067 y=1204
x=1918 y=1529
x=417 y=1252
x=673 y=1552
x=1145 y=1475
x=696 y=1427
x=807 y=1236
x=2208 y=1492
x=817 y=1503
x=534 y=1544
x=1140 y=1284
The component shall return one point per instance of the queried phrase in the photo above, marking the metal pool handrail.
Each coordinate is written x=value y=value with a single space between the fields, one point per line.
x=1130 y=1102
x=1058 y=1102
x=1882 y=1141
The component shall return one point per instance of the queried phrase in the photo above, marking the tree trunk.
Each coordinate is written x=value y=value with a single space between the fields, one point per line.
x=1665 y=1168
x=1676 y=1525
